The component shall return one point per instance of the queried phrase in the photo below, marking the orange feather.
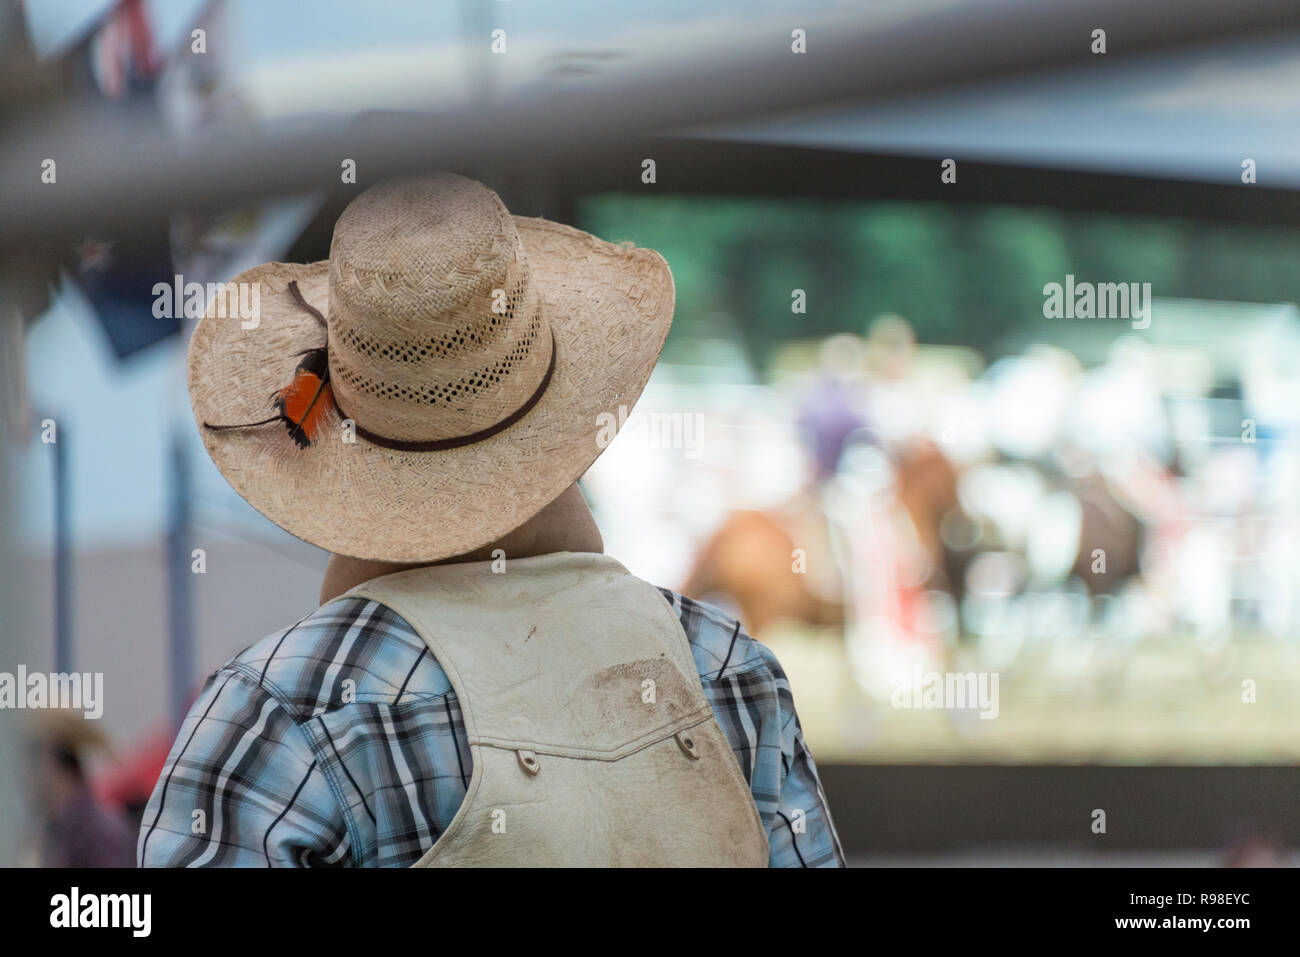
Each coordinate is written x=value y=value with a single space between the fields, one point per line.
x=305 y=402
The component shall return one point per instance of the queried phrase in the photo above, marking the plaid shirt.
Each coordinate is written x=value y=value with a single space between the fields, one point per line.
x=294 y=765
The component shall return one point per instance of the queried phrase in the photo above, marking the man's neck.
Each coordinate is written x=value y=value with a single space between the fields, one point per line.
x=566 y=525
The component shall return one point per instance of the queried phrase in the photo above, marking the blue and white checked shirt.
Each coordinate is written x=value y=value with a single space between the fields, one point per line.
x=339 y=743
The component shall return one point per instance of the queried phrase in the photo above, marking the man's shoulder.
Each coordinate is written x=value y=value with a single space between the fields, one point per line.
x=356 y=650
x=350 y=650
x=719 y=643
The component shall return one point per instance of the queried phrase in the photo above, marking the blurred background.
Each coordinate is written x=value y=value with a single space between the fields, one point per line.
x=866 y=438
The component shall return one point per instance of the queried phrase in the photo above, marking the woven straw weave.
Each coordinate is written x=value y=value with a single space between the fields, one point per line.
x=418 y=352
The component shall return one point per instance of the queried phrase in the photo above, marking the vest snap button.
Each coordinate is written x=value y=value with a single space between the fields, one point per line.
x=528 y=761
x=687 y=744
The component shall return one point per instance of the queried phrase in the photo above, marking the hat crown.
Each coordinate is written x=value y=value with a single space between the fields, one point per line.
x=435 y=330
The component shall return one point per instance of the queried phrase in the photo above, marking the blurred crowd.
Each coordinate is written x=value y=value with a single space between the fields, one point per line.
x=943 y=502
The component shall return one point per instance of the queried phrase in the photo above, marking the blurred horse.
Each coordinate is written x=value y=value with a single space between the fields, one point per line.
x=1107 y=525
x=750 y=560
x=926 y=484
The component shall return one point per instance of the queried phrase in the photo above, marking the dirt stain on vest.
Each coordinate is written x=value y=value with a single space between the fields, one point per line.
x=617 y=696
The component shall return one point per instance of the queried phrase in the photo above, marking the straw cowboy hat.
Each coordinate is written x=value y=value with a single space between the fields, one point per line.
x=437 y=381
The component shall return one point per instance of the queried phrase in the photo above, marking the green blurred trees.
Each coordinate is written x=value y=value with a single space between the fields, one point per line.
x=967 y=275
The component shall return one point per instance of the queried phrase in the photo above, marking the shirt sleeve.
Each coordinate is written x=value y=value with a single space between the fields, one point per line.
x=802 y=833
x=242 y=788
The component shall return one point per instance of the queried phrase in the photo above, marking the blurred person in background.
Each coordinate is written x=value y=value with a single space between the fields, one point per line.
x=894 y=407
x=76 y=829
x=830 y=412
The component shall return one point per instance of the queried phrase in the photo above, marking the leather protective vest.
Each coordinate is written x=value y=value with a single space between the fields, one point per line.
x=592 y=742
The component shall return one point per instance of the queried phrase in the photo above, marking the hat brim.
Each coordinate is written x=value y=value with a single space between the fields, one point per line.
x=610 y=307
